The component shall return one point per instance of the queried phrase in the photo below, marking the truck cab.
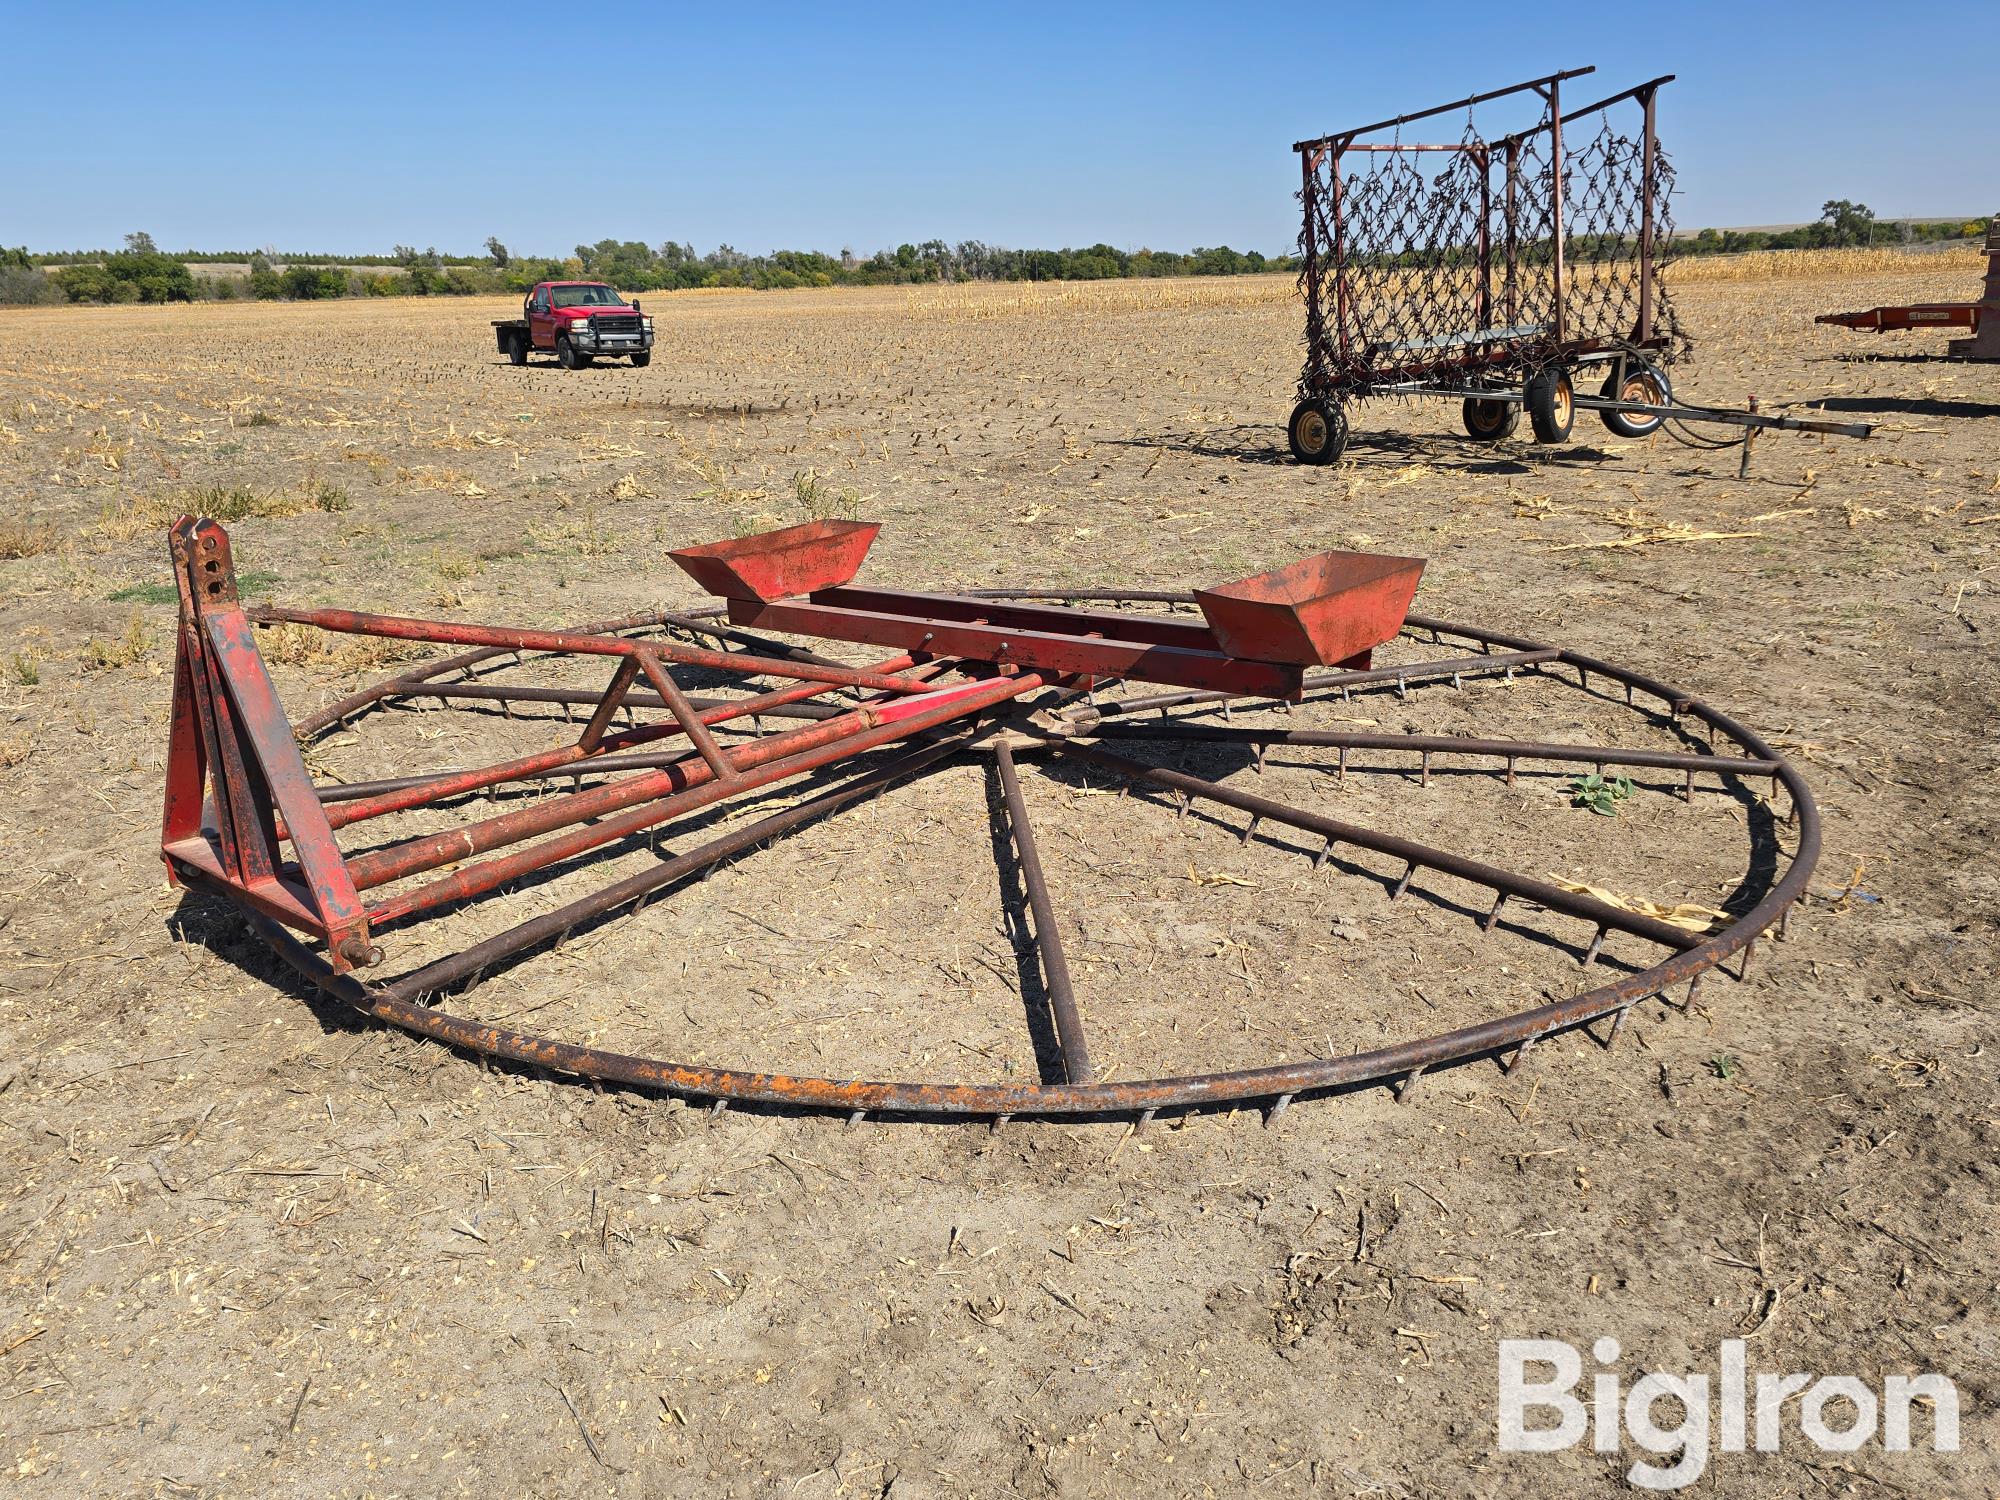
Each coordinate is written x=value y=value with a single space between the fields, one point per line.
x=579 y=322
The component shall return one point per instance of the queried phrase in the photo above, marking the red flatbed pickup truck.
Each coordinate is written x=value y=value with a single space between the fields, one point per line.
x=579 y=322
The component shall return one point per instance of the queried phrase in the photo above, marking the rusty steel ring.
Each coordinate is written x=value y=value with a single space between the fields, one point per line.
x=400 y=1002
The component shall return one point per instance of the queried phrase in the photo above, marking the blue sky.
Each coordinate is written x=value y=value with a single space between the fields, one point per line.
x=353 y=126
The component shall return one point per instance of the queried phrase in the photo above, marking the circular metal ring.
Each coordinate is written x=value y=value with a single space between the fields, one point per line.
x=1399 y=1064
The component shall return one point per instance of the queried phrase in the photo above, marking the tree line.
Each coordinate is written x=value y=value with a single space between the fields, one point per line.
x=1841 y=225
x=141 y=272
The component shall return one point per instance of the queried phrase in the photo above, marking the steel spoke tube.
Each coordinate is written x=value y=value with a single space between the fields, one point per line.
x=391 y=687
x=882 y=726
x=380 y=866
x=1440 y=743
x=500 y=692
x=687 y=716
x=445 y=972
x=1458 y=666
x=512 y=638
x=763 y=643
x=424 y=793
x=1491 y=876
x=597 y=765
x=1676 y=700
x=1048 y=941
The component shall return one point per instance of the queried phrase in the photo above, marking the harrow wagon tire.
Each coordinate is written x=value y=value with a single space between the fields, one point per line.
x=642 y=359
x=570 y=357
x=1551 y=403
x=1490 y=421
x=517 y=350
x=1317 y=432
x=1644 y=383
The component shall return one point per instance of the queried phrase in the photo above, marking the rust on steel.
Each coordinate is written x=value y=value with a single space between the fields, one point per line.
x=1012 y=680
x=1409 y=248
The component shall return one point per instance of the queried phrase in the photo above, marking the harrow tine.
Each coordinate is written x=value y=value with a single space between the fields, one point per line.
x=1596 y=946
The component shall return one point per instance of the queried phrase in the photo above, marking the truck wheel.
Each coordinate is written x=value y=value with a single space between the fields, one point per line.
x=1317 y=431
x=569 y=356
x=1551 y=402
x=1490 y=421
x=1645 y=383
x=517 y=350
x=643 y=358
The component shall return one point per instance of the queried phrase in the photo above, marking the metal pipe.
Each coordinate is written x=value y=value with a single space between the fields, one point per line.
x=380 y=866
x=687 y=717
x=391 y=687
x=1425 y=114
x=1421 y=855
x=1048 y=941
x=423 y=792
x=502 y=692
x=446 y=972
x=476 y=879
x=1430 y=744
x=400 y=627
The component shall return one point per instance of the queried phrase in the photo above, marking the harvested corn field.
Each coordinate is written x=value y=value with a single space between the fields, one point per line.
x=255 y=1244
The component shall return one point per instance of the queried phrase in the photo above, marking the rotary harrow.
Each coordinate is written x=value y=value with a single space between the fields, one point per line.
x=727 y=729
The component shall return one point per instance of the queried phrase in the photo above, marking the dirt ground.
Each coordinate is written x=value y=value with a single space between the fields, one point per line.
x=251 y=1245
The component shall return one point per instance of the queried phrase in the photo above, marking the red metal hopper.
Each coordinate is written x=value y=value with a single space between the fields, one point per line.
x=780 y=564
x=1323 y=609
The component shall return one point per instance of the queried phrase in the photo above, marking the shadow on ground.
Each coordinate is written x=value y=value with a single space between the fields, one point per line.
x=1255 y=443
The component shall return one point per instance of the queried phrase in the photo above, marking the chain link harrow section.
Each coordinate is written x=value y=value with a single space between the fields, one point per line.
x=1019 y=683
x=1468 y=267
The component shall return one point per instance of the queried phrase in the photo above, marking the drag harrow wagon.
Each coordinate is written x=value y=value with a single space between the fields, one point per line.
x=1222 y=717
x=1521 y=271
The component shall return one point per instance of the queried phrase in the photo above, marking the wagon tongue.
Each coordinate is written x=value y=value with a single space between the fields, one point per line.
x=1259 y=635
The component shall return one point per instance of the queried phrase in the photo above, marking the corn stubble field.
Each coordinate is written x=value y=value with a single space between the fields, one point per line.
x=252 y=1246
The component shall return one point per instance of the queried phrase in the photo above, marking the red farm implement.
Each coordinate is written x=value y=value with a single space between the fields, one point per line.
x=1982 y=317
x=672 y=714
x=1503 y=272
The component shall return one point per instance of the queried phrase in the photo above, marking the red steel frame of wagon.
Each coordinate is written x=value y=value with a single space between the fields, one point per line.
x=1529 y=330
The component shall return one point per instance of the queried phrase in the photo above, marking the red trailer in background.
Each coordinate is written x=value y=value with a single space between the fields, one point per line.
x=1982 y=317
